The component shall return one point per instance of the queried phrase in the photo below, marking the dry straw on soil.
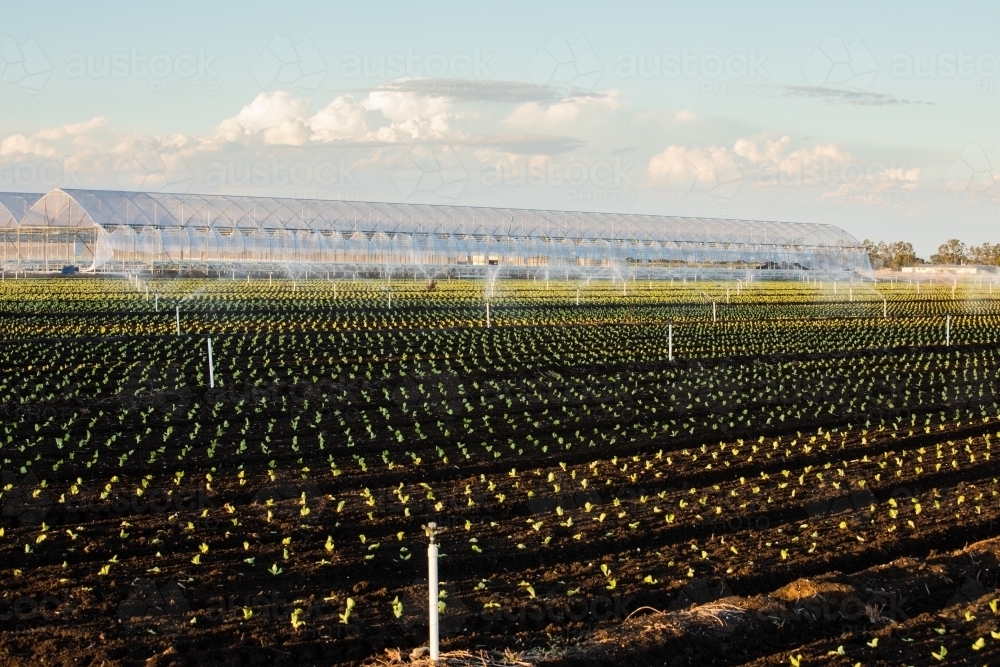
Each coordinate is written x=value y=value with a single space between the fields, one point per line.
x=420 y=658
x=696 y=620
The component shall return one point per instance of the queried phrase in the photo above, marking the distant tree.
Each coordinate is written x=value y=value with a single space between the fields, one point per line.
x=900 y=254
x=951 y=252
x=893 y=255
x=874 y=252
x=985 y=254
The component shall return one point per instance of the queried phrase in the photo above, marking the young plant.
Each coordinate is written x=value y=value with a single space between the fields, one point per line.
x=348 y=606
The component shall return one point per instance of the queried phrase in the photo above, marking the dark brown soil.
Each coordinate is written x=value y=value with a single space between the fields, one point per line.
x=724 y=508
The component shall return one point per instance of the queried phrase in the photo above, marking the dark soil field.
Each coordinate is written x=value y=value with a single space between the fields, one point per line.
x=804 y=482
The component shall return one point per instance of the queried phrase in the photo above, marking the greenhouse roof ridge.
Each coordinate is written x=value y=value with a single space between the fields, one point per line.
x=15 y=205
x=156 y=194
x=109 y=208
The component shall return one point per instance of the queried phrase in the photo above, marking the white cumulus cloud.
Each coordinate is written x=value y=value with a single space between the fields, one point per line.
x=267 y=110
x=383 y=116
x=777 y=163
x=532 y=114
x=54 y=141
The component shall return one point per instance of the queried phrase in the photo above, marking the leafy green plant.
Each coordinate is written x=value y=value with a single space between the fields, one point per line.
x=346 y=614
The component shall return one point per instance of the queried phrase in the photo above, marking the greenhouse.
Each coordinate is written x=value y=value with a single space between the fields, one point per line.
x=115 y=231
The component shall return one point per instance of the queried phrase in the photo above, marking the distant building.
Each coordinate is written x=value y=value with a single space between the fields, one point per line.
x=951 y=269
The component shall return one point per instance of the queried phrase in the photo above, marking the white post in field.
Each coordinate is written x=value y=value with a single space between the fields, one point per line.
x=432 y=590
x=211 y=366
x=178 y=320
x=947 y=330
x=713 y=312
x=885 y=312
x=487 y=314
x=156 y=301
x=670 y=341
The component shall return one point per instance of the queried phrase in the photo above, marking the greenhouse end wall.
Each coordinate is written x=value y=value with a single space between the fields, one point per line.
x=156 y=231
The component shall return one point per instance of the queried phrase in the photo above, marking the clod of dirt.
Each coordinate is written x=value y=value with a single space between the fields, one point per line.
x=803 y=589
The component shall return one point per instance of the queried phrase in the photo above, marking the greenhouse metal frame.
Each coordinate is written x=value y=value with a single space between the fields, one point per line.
x=138 y=231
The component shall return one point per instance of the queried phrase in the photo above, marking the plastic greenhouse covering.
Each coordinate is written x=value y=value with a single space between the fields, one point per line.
x=105 y=230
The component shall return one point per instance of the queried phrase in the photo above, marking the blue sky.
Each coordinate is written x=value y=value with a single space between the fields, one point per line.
x=881 y=119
